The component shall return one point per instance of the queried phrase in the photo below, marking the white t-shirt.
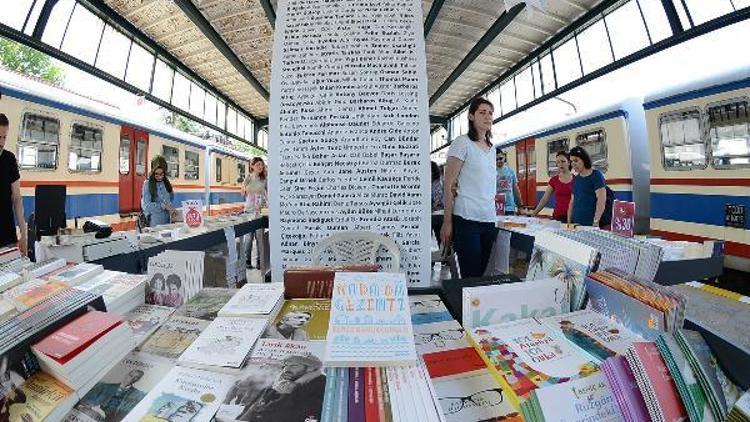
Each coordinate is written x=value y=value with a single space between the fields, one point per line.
x=476 y=181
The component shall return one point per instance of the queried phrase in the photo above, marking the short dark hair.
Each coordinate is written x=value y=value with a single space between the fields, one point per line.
x=583 y=155
x=4 y=122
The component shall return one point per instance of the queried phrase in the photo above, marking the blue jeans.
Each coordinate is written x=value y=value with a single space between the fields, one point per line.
x=472 y=241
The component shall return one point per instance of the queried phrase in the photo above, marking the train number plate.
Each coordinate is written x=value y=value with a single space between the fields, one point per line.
x=735 y=215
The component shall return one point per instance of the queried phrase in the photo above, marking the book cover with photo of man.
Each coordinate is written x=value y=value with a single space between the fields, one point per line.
x=301 y=320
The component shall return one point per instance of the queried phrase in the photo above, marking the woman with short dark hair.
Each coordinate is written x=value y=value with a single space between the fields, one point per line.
x=589 y=191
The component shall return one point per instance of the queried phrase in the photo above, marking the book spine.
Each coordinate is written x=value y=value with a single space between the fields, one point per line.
x=379 y=394
x=386 y=396
x=356 y=408
x=342 y=394
x=371 y=400
x=329 y=396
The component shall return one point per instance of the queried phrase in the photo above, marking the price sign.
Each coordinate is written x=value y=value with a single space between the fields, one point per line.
x=500 y=204
x=734 y=216
x=192 y=213
x=623 y=218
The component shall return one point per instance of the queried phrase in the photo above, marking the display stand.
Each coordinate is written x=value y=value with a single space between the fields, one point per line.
x=136 y=262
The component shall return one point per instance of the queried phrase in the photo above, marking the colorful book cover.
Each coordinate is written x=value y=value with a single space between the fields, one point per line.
x=184 y=394
x=599 y=336
x=145 y=319
x=65 y=343
x=488 y=305
x=474 y=397
x=529 y=355
x=38 y=294
x=659 y=382
x=439 y=336
x=356 y=395
x=176 y=335
x=206 y=303
x=122 y=388
x=584 y=399
x=569 y=261
x=621 y=381
x=301 y=319
x=705 y=367
x=40 y=397
x=628 y=311
x=687 y=383
x=370 y=321
x=288 y=389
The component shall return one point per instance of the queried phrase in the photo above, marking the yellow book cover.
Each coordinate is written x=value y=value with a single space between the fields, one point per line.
x=36 y=398
x=301 y=319
x=507 y=390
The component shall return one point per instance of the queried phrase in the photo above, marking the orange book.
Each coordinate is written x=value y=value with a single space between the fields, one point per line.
x=317 y=282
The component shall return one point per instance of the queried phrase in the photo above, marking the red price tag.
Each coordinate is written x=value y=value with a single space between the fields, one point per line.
x=623 y=218
x=500 y=204
x=193 y=218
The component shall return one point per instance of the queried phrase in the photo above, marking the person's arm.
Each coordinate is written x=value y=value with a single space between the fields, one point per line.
x=601 y=200
x=23 y=241
x=517 y=193
x=570 y=209
x=452 y=169
x=543 y=201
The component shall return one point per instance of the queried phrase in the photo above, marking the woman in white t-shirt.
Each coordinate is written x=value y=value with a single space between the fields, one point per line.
x=255 y=191
x=470 y=216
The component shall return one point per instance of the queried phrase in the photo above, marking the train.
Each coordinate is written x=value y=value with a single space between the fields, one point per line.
x=102 y=155
x=681 y=154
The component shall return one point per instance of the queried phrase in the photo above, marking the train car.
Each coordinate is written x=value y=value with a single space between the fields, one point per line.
x=700 y=176
x=615 y=137
x=102 y=155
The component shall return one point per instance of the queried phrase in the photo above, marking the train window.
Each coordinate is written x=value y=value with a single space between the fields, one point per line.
x=39 y=143
x=124 y=155
x=683 y=147
x=172 y=155
x=85 y=149
x=218 y=169
x=729 y=132
x=595 y=143
x=240 y=172
x=140 y=157
x=192 y=165
x=553 y=147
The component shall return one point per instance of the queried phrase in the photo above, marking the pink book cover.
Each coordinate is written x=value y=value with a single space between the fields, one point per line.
x=663 y=385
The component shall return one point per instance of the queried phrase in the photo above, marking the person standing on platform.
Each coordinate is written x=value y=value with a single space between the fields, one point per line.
x=507 y=183
x=255 y=191
x=437 y=200
x=157 y=194
x=469 y=218
x=11 y=201
x=589 y=191
x=561 y=185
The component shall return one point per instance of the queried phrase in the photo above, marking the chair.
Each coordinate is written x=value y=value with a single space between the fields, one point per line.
x=356 y=247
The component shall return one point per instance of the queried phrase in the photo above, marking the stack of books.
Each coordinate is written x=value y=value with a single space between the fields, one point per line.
x=81 y=352
x=656 y=386
x=564 y=259
x=207 y=303
x=40 y=398
x=121 y=292
x=41 y=269
x=316 y=282
x=644 y=307
x=174 y=277
x=8 y=254
x=145 y=319
x=77 y=274
x=224 y=345
x=624 y=388
x=584 y=399
x=9 y=280
x=34 y=291
x=255 y=301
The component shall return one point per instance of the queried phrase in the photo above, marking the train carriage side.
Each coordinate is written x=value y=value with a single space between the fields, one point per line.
x=185 y=163
x=227 y=173
x=700 y=143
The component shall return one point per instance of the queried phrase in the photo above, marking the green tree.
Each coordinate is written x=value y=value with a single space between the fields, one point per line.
x=25 y=60
x=248 y=149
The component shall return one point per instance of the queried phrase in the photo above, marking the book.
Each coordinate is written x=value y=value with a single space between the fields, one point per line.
x=43 y=268
x=223 y=345
x=372 y=413
x=370 y=321
x=656 y=385
x=426 y=304
x=472 y=397
x=9 y=280
x=174 y=336
x=78 y=273
x=65 y=344
x=585 y=399
x=591 y=331
x=301 y=319
x=121 y=291
x=122 y=388
x=291 y=388
x=356 y=397
x=276 y=350
x=624 y=387
x=174 y=277
x=145 y=319
x=439 y=336
x=685 y=379
x=40 y=398
x=254 y=300
x=38 y=294
x=704 y=365
x=487 y=305
x=316 y=282
x=183 y=394
x=206 y=303
x=529 y=355
x=453 y=362
x=565 y=259
x=453 y=290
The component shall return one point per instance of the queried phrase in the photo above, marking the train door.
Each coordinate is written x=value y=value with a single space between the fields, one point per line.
x=133 y=168
x=526 y=165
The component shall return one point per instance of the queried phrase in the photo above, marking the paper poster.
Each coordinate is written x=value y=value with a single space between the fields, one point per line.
x=192 y=213
x=623 y=218
x=349 y=120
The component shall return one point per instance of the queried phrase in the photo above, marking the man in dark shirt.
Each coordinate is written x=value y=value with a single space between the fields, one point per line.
x=11 y=202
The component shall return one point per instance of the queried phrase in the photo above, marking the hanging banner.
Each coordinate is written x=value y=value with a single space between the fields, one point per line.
x=349 y=129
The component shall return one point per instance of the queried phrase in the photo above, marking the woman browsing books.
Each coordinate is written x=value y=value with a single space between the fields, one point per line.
x=157 y=194
x=589 y=191
x=561 y=186
x=255 y=192
x=470 y=213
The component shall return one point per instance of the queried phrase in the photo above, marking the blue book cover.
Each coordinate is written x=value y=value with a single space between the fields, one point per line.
x=329 y=398
x=635 y=315
x=429 y=318
x=340 y=407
